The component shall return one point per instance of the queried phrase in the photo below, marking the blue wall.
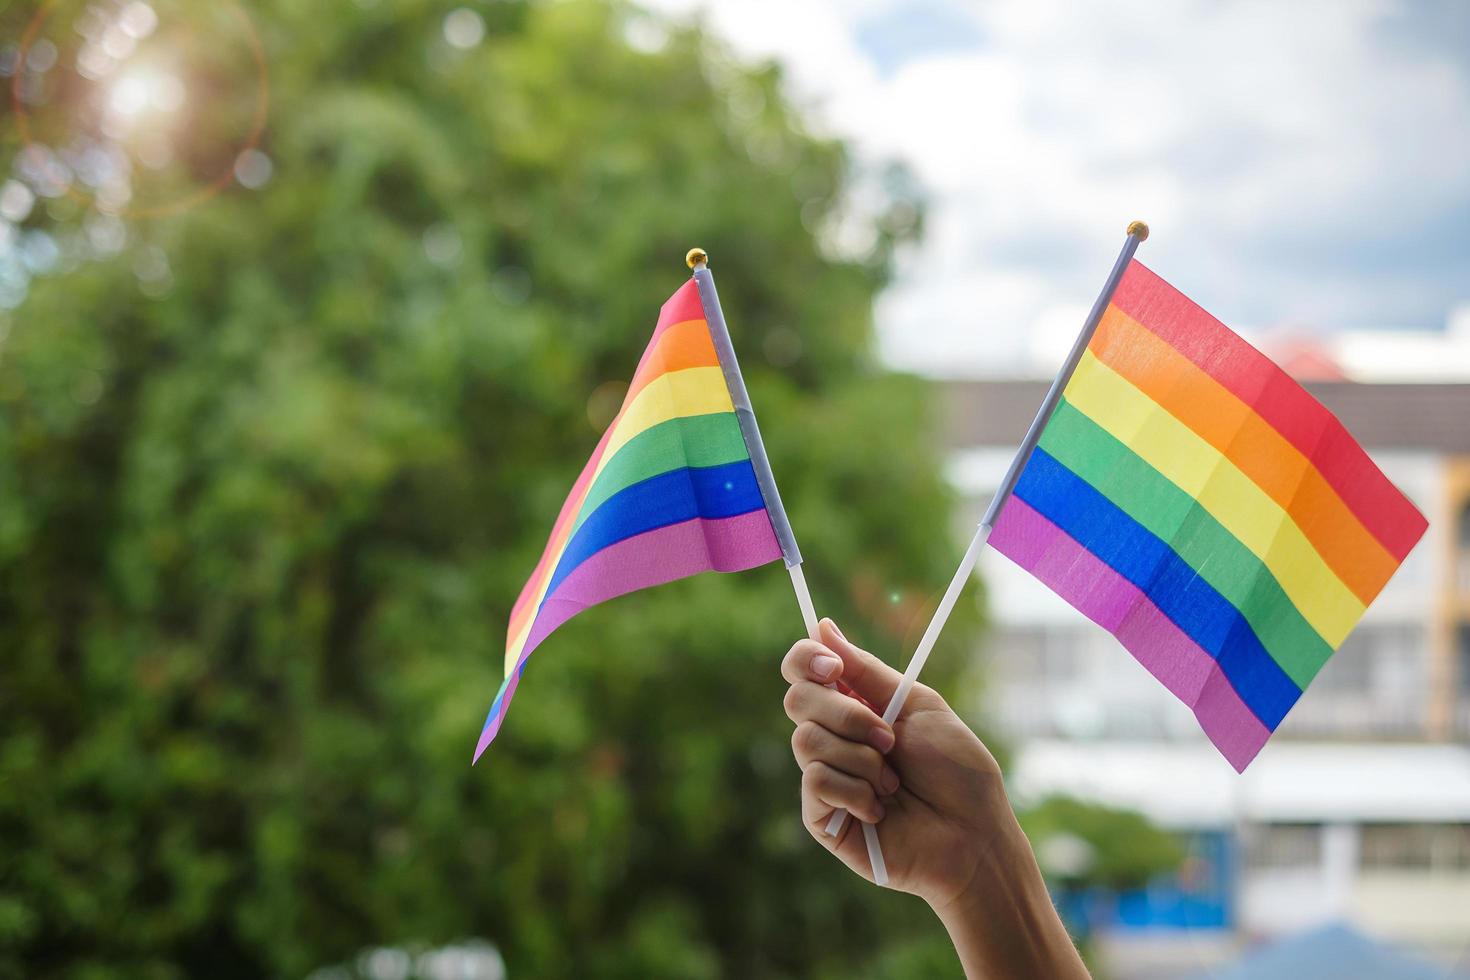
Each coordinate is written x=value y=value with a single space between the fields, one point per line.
x=1199 y=896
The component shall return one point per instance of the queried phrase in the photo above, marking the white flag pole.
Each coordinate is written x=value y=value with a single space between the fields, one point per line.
x=698 y=260
x=1137 y=233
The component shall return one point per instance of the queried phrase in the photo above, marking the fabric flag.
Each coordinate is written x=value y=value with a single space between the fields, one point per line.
x=1196 y=502
x=669 y=492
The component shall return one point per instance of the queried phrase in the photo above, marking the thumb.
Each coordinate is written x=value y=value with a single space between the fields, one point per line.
x=870 y=678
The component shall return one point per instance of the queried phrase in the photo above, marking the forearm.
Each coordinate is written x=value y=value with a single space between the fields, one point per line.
x=1004 y=924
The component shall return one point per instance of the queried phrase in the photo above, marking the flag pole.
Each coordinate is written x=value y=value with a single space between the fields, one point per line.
x=698 y=261
x=1137 y=233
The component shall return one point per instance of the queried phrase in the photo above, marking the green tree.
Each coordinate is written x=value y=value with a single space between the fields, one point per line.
x=1097 y=845
x=272 y=475
x=1089 y=853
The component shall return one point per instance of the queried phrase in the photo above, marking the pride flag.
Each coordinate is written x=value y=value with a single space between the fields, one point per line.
x=1193 y=500
x=678 y=485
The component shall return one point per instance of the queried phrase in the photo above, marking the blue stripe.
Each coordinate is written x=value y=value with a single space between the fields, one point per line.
x=494 y=705
x=1209 y=619
x=669 y=498
x=499 y=696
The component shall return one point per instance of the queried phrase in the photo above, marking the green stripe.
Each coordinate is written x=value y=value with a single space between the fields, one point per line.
x=694 y=440
x=1176 y=518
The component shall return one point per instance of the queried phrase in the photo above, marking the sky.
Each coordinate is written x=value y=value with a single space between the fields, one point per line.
x=1303 y=165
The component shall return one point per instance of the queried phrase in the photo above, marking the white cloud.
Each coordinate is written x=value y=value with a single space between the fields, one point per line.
x=1297 y=161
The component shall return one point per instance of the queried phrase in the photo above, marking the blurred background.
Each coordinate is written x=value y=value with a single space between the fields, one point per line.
x=310 y=314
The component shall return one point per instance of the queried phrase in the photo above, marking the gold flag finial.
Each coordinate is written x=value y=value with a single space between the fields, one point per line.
x=1138 y=228
x=695 y=257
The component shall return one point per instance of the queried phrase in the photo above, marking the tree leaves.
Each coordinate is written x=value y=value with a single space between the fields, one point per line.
x=260 y=533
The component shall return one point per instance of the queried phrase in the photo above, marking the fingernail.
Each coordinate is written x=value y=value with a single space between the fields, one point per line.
x=824 y=665
x=879 y=812
x=837 y=629
x=888 y=782
x=880 y=739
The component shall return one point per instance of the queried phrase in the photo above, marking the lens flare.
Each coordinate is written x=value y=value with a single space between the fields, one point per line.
x=140 y=102
x=144 y=91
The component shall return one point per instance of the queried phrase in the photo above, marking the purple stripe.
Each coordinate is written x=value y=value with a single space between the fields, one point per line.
x=729 y=544
x=492 y=724
x=1236 y=732
x=1108 y=599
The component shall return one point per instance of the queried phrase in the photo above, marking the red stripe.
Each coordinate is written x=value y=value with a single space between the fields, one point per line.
x=679 y=346
x=1274 y=396
x=683 y=305
x=525 y=602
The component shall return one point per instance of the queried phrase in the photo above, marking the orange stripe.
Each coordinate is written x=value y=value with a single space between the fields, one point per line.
x=680 y=339
x=527 y=601
x=1271 y=393
x=1273 y=463
x=685 y=304
x=680 y=346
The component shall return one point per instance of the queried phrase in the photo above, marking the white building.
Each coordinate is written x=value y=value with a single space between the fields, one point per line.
x=1359 y=807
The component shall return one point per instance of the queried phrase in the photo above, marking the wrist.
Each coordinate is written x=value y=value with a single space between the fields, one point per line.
x=1003 y=873
x=1003 y=922
x=989 y=855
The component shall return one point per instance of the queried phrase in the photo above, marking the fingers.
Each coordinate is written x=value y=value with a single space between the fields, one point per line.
x=869 y=677
x=811 y=743
x=809 y=660
x=825 y=787
x=839 y=714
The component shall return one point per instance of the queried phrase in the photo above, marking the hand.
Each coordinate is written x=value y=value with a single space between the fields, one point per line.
x=934 y=786
x=935 y=792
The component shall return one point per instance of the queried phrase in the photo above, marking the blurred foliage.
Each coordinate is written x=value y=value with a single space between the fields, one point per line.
x=1090 y=853
x=1105 y=847
x=261 y=523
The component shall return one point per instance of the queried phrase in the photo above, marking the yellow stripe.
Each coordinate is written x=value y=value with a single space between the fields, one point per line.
x=1231 y=497
x=692 y=391
x=513 y=652
x=1273 y=462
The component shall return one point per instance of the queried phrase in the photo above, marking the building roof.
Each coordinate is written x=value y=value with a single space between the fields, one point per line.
x=1433 y=417
x=1186 y=784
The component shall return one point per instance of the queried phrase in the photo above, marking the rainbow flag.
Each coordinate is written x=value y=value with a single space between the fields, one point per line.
x=678 y=485
x=1193 y=500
